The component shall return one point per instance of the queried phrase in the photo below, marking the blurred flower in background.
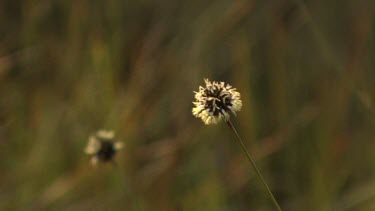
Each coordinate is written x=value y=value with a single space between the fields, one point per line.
x=102 y=147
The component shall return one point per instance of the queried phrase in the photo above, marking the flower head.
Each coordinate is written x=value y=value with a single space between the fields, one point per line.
x=215 y=101
x=102 y=147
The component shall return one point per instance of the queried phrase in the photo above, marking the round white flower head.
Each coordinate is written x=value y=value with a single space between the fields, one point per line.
x=214 y=102
x=102 y=147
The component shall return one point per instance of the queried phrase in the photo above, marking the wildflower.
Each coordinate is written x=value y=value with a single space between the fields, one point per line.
x=102 y=147
x=215 y=102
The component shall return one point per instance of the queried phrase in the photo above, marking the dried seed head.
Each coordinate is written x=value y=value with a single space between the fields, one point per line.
x=102 y=147
x=214 y=102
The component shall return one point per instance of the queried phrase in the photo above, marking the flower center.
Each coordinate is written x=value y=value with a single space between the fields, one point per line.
x=217 y=101
x=107 y=151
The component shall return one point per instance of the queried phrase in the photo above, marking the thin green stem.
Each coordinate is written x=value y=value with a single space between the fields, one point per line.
x=231 y=126
x=128 y=189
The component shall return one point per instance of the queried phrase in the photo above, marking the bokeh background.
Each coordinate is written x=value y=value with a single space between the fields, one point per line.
x=305 y=69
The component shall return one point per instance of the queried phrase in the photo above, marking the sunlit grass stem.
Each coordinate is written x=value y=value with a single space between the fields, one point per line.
x=231 y=126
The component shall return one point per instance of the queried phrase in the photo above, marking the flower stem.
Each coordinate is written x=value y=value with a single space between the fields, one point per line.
x=128 y=189
x=260 y=177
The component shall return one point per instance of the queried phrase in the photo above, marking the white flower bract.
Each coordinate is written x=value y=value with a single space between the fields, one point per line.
x=216 y=101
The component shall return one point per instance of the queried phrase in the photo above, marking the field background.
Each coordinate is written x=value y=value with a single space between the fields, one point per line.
x=305 y=69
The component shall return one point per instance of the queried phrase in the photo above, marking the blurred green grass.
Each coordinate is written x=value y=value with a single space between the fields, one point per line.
x=305 y=70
